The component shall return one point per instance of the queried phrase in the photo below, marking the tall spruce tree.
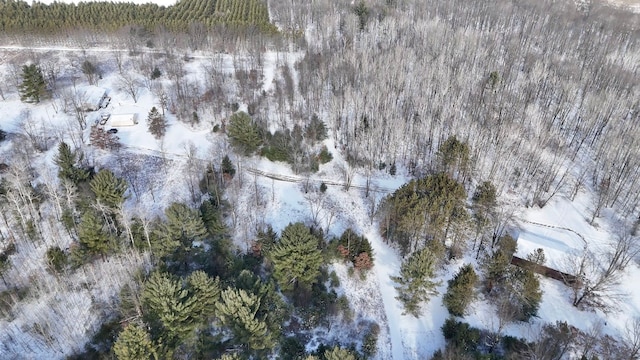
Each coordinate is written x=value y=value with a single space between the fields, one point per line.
x=414 y=283
x=33 y=88
x=243 y=133
x=91 y=71
x=91 y=235
x=156 y=123
x=108 y=188
x=212 y=218
x=296 y=258
x=460 y=290
x=134 y=343
x=237 y=311
x=66 y=161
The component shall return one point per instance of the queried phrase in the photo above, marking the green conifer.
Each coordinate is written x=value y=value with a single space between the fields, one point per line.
x=156 y=123
x=206 y=291
x=91 y=235
x=338 y=353
x=66 y=161
x=134 y=343
x=243 y=133
x=183 y=223
x=108 y=188
x=460 y=290
x=237 y=310
x=296 y=258
x=227 y=166
x=33 y=88
x=414 y=283
x=170 y=308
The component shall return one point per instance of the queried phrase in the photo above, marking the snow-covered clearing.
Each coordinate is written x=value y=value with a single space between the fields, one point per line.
x=568 y=232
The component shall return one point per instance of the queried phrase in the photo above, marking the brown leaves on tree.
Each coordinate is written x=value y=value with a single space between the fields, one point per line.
x=102 y=139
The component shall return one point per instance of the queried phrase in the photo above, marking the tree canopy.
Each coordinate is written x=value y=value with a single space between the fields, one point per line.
x=422 y=210
x=296 y=258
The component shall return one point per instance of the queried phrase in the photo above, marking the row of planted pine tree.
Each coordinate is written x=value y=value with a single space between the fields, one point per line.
x=39 y=18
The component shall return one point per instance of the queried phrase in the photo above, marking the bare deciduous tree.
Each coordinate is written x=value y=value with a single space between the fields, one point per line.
x=599 y=276
x=130 y=84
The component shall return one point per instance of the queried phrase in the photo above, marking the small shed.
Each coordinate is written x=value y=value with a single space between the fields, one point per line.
x=120 y=120
x=92 y=98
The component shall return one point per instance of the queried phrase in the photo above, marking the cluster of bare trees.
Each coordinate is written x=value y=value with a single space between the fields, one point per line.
x=544 y=95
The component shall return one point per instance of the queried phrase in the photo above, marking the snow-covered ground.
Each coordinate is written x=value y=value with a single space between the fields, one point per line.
x=566 y=232
x=257 y=200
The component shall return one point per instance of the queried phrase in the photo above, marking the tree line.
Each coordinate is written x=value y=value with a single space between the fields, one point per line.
x=41 y=19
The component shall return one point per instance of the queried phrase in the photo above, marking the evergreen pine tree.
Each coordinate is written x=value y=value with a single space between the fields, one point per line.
x=56 y=259
x=338 y=353
x=460 y=290
x=157 y=123
x=134 y=343
x=212 y=218
x=170 y=308
x=33 y=87
x=183 y=223
x=524 y=287
x=66 y=161
x=537 y=256
x=316 y=130
x=237 y=310
x=485 y=196
x=296 y=258
x=227 y=167
x=243 y=133
x=91 y=235
x=454 y=157
x=5 y=264
x=414 y=283
x=108 y=188
x=206 y=291
x=155 y=73
x=426 y=208
x=495 y=266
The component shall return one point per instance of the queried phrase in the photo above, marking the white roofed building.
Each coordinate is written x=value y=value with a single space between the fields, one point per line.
x=120 y=120
x=92 y=98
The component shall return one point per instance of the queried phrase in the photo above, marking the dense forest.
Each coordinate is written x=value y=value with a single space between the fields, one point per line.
x=483 y=108
x=186 y=15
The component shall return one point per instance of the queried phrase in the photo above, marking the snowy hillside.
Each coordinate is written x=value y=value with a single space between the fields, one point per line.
x=399 y=102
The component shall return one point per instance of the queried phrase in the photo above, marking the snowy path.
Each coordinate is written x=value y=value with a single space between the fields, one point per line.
x=387 y=264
